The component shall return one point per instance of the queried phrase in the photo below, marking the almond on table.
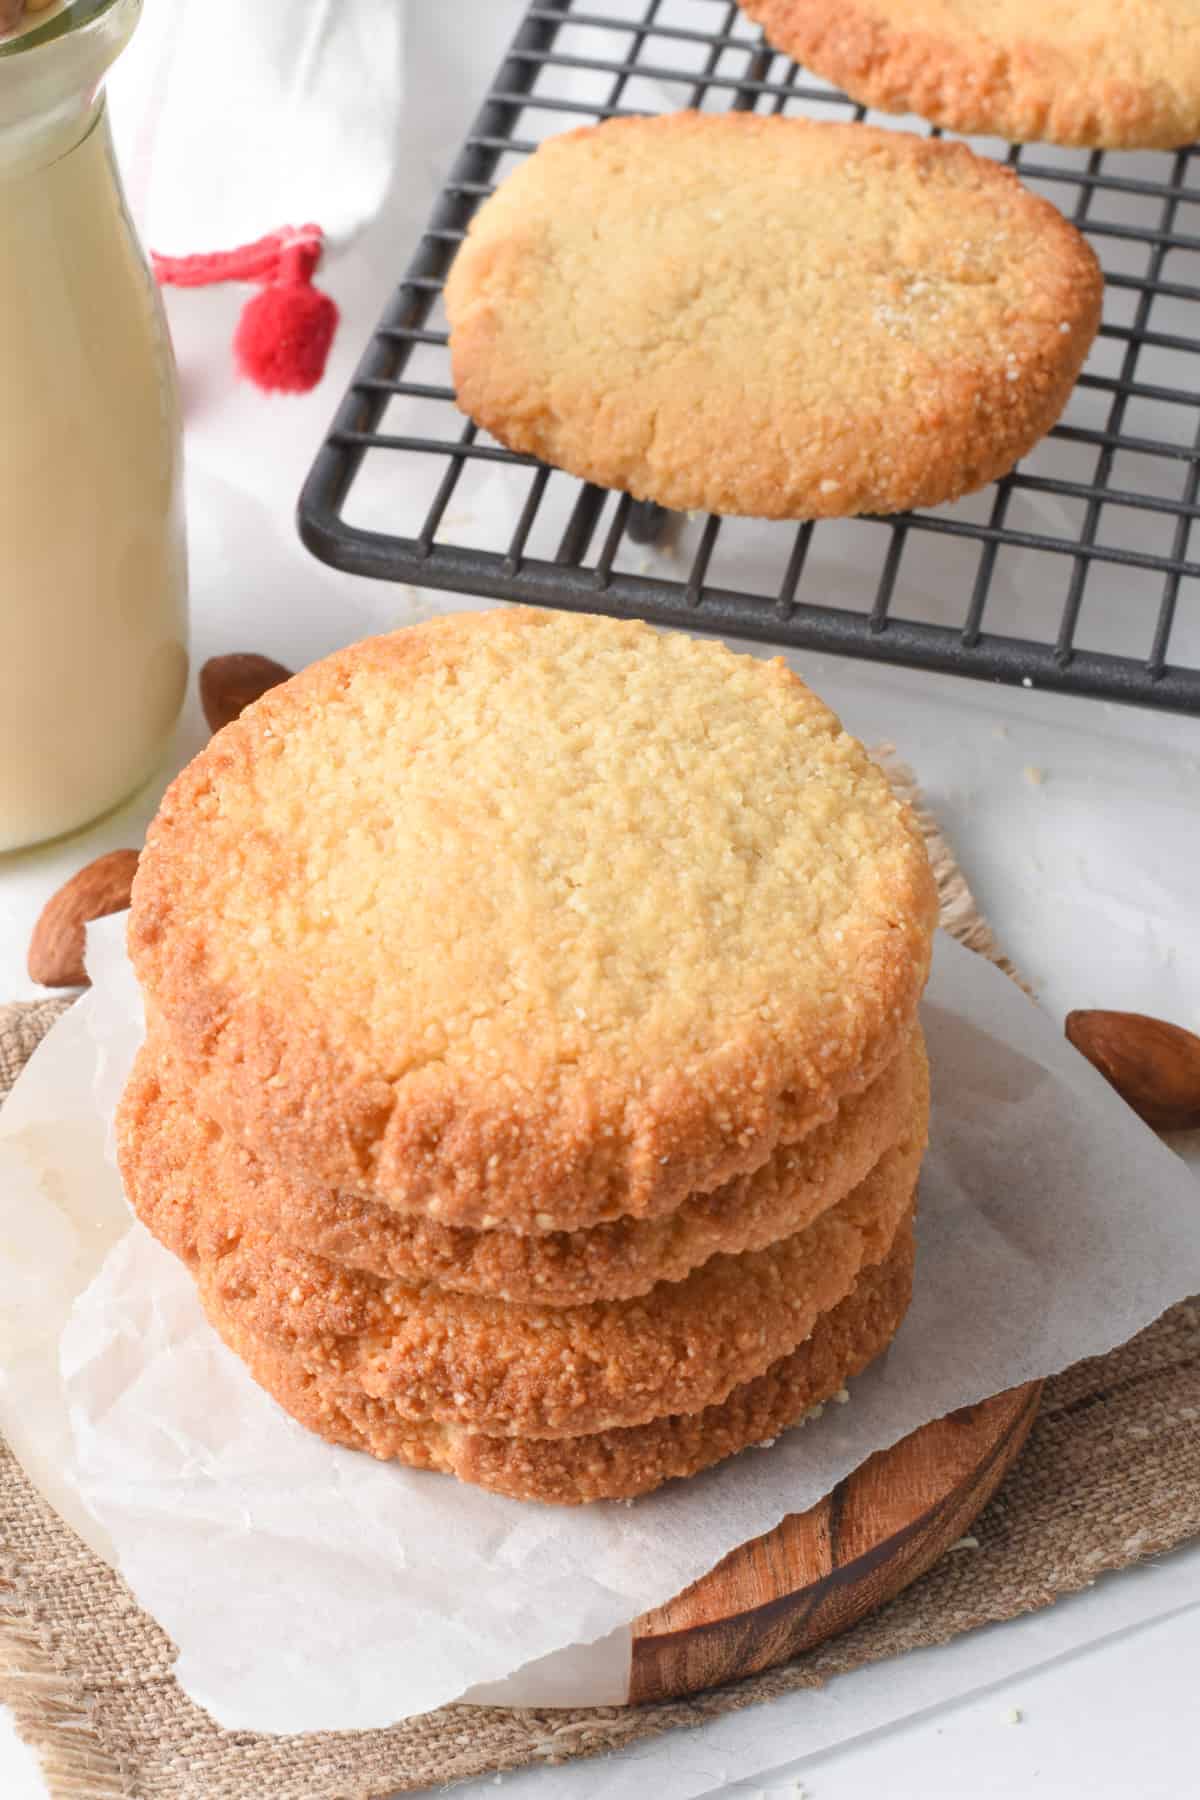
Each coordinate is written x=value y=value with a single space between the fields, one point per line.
x=229 y=684
x=59 y=937
x=1154 y=1066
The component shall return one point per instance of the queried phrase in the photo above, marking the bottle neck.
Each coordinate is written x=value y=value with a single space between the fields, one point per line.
x=30 y=146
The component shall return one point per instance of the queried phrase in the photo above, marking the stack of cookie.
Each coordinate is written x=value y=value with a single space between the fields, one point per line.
x=533 y=1082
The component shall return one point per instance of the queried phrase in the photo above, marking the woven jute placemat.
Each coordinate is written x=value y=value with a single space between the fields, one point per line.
x=1111 y=1474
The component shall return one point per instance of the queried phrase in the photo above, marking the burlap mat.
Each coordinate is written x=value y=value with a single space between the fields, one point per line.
x=1111 y=1474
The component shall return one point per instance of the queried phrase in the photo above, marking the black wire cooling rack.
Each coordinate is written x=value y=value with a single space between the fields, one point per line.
x=1077 y=572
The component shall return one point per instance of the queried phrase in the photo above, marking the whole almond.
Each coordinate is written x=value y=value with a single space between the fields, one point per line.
x=228 y=684
x=1155 y=1067
x=57 y=945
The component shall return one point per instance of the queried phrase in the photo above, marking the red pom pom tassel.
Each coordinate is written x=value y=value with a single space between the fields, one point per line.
x=284 y=335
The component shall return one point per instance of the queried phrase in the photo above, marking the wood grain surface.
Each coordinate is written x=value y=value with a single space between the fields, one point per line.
x=822 y=1571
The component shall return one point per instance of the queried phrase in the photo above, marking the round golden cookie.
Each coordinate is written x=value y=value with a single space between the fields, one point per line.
x=610 y=1465
x=769 y=316
x=538 y=1371
x=204 y=1185
x=1116 y=73
x=529 y=919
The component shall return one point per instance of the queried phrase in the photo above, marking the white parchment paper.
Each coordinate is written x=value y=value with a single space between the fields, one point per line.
x=310 y=1588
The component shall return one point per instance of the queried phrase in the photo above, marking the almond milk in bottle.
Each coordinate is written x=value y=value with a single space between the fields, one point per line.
x=93 y=608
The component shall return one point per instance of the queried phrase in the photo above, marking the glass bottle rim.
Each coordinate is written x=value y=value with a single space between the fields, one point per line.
x=76 y=15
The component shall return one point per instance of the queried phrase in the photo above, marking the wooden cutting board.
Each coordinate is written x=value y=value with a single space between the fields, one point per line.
x=822 y=1571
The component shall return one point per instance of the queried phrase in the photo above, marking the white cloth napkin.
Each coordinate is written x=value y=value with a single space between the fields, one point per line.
x=235 y=117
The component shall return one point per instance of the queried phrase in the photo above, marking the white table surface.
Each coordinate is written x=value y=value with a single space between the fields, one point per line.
x=1088 y=875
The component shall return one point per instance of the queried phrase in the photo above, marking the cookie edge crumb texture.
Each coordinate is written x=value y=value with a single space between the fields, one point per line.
x=613 y=1465
x=178 y=1164
x=1016 y=92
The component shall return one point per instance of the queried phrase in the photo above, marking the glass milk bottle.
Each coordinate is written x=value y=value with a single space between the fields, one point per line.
x=93 y=578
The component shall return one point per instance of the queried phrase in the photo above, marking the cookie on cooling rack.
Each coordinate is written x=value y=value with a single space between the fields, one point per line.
x=769 y=316
x=1101 y=73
